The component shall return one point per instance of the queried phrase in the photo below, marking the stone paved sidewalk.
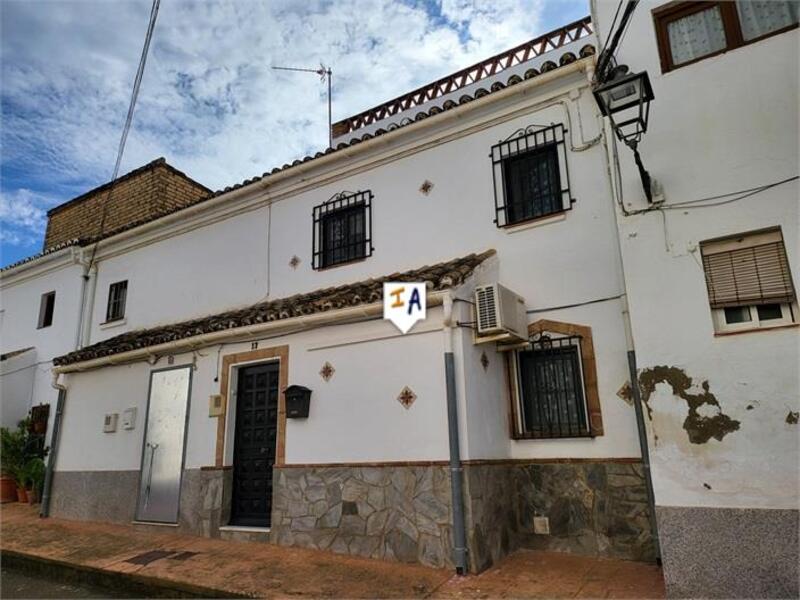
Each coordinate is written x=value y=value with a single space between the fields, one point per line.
x=215 y=567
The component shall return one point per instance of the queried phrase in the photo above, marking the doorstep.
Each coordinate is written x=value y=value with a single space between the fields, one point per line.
x=245 y=528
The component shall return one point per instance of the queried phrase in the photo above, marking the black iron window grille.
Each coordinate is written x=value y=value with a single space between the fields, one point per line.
x=551 y=392
x=530 y=175
x=342 y=229
x=117 y=294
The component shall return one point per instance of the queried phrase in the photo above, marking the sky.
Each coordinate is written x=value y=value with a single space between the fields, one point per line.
x=210 y=103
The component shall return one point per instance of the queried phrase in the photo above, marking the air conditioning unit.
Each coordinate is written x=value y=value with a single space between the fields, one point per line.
x=500 y=314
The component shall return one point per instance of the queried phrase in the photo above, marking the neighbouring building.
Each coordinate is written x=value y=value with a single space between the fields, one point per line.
x=711 y=286
x=43 y=298
x=178 y=341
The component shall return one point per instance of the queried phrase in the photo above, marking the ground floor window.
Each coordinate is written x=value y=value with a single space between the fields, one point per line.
x=553 y=383
x=550 y=384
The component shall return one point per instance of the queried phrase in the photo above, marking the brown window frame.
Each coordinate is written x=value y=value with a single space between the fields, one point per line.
x=589 y=380
x=664 y=15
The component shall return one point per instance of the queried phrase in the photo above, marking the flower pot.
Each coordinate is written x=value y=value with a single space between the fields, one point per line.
x=21 y=495
x=33 y=496
x=8 y=489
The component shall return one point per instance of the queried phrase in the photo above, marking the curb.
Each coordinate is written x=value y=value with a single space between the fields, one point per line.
x=138 y=586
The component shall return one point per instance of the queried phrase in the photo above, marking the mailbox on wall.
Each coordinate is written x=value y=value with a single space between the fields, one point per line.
x=298 y=399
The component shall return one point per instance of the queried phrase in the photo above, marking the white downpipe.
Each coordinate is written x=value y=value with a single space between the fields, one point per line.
x=343 y=315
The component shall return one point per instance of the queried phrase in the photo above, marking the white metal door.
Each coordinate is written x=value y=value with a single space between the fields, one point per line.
x=164 y=442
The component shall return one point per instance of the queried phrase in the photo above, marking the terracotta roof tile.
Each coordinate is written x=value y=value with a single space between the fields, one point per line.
x=440 y=276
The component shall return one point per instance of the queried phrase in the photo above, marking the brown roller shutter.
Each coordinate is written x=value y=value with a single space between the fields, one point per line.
x=748 y=269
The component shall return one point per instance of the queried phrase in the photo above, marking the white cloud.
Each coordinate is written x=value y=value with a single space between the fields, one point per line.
x=23 y=216
x=210 y=101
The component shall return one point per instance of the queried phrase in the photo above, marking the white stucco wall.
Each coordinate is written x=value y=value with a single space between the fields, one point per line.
x=205 y=266
x=26 y=383
x=354 y=417
x=16 y=387
x=723 y=124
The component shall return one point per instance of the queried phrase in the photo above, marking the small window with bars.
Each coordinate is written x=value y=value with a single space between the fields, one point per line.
x=530 y=175
x=47 y=306
x=342 y=229
x=117 y=293
x=749 y=282
x=550 y=390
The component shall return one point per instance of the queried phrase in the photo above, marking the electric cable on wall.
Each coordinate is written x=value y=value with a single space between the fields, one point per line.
x=137 y=83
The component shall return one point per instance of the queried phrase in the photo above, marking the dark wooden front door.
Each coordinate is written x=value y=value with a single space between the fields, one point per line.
x=255 y=444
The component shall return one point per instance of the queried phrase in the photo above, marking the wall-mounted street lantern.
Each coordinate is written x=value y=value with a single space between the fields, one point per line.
x=625 y=99
x=298 y=400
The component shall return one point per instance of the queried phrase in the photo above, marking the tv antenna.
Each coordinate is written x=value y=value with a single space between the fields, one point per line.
x=324 y=73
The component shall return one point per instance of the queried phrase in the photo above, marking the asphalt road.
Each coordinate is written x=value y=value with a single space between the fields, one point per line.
x=15 y=583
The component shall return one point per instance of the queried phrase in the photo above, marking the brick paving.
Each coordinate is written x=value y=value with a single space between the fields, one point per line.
x=265 y=570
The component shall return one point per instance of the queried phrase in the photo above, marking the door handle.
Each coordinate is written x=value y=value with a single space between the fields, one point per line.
x=153 y=448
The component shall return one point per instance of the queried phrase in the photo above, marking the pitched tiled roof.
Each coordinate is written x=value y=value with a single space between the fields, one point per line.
x=52 y=250
x=440 y=276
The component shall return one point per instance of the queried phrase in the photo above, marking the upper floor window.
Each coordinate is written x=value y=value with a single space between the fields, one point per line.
x=531 y=179
x=47 y=306
x=117 y=293
x=342 y=229
x=690 y=31
x=749 y=282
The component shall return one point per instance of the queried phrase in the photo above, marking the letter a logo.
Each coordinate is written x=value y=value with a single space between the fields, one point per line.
x=404 y=304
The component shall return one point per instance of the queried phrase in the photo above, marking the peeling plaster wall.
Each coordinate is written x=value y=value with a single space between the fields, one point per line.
x=698 y=145
x=725 y=461
x=752 y=377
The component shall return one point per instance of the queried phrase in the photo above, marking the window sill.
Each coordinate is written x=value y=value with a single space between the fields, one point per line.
x=342 y=264
x=114 y=323
x=537 y=222
x=521 y=437
x=756 y=329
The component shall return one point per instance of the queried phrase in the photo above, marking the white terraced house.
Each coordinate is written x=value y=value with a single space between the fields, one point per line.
x=222 y=365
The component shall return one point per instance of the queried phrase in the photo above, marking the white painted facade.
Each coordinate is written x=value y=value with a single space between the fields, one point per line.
x=25 y=381
x=722 y=124
x=235 y=250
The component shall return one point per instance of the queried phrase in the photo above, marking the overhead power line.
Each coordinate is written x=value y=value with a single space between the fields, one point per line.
x=137 y=83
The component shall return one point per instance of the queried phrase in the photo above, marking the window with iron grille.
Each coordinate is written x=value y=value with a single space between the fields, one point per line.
x=342 y=229
x=530 y=175
x=550 y=385
x=117 y=294
x=47 y=306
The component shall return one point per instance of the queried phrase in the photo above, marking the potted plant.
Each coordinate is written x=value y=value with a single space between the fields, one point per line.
x=21 y=459
x=12 y=452
x=33 y=474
